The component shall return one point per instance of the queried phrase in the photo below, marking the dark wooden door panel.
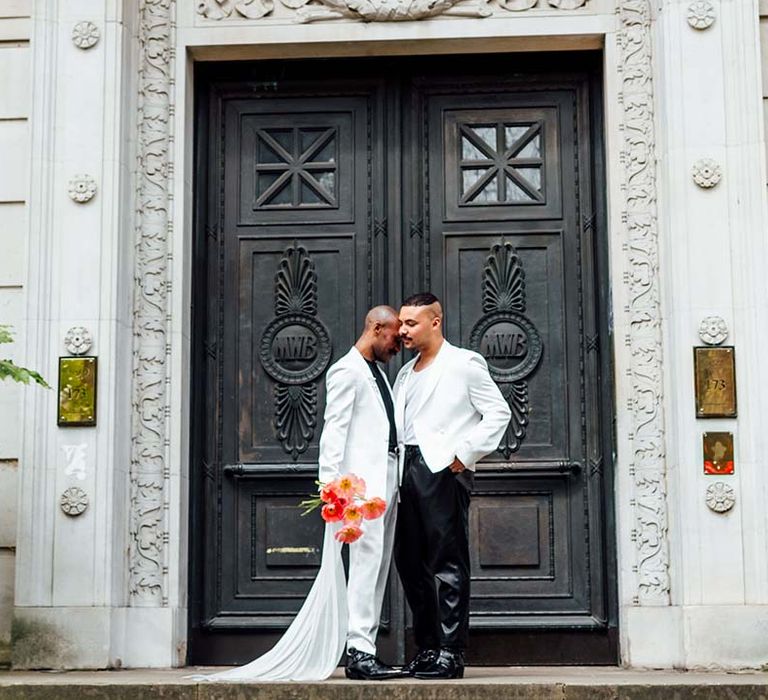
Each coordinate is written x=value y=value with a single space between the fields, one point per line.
x=264 y=435
x=319 y=197
x=296 y=207
x=532 y=260
x=504 y=196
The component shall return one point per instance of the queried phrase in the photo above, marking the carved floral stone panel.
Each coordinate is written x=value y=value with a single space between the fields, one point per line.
x=370 y=10
x=644 y=339
x=149 y=472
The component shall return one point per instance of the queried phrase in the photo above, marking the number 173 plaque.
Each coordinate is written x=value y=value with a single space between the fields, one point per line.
x=715 y=374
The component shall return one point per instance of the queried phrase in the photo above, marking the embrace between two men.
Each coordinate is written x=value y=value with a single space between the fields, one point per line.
x=416 y=446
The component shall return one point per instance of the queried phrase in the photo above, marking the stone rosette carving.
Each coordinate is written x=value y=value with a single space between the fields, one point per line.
x=78 y=340
x=644 y=338
x=74 y=501
x=713 y=330
x=706 y=173
x=85 y=35
x=149 y=472
x=701 y=14
x=720 y=497
x=369 y=10
x=82 y=188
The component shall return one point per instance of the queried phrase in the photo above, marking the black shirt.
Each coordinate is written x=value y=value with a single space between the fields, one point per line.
x=388 y=405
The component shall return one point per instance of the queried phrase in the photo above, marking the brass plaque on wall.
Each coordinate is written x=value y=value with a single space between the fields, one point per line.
x=715 y=376
x=77 y=391
x=718 y=453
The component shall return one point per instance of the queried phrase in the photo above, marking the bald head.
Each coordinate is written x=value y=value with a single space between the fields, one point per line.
x=381 y=315
x=380 y=339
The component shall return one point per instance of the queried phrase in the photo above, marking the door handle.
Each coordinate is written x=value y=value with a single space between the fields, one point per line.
x=565 y=467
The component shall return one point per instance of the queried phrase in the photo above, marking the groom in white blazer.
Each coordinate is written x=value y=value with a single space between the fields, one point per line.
x=449 y=415
x=360 y=437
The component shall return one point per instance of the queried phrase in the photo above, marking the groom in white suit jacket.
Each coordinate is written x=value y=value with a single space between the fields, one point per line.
x=449 y=415
x=360 y=437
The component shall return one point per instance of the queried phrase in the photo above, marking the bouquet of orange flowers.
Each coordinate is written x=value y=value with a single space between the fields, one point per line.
x=343 y=500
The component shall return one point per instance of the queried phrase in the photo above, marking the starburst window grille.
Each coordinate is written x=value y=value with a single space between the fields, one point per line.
x=296 y=168
x=501 y=163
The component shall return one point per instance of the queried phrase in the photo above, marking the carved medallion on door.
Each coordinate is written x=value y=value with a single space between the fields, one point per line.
x=507 y=338
x=295 y=350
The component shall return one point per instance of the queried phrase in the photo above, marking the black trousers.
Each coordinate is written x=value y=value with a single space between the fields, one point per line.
x=432 y=551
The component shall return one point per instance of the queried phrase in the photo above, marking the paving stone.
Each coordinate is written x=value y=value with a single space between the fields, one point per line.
x=381 y=691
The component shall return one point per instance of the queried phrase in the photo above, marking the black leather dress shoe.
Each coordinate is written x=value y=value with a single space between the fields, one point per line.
x=448 y=664
x=423 y=660
x=366 y=667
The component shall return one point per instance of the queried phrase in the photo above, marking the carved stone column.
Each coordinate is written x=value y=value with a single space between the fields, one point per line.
x=154 y=228
x=641 y=247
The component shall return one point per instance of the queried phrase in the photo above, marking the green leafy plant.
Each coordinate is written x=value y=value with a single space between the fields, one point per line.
x=10 y=370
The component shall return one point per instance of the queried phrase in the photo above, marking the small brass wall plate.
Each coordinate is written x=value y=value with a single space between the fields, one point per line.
x=77 y=391
x=715 y=377
x=718 y=453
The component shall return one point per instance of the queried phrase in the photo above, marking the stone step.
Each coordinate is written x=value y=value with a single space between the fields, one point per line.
x=480 y=684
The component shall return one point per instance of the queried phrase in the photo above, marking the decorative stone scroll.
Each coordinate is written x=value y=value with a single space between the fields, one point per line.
x=295 y=350
x=369 y=10
x=507 y=338
x=148 y=529
x=644 y=339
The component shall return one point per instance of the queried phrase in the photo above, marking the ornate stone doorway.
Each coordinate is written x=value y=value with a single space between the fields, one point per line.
x=325 y=187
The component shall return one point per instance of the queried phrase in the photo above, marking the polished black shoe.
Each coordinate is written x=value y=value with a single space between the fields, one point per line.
x=448 y=664
x=366 y=667
x=423 y=660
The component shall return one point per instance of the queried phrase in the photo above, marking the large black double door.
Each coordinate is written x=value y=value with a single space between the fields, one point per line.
x=324 y=188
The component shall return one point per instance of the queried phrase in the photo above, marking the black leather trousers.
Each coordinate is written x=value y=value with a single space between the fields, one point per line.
x=432 y=551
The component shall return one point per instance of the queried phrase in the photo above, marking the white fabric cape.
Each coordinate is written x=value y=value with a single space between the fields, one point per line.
x=311 y=647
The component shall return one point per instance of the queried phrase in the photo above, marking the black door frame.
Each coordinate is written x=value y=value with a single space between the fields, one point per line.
x=529 y=646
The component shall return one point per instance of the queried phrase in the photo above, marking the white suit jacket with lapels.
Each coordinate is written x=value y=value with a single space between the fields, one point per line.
x=461 y=413
x=355 y=437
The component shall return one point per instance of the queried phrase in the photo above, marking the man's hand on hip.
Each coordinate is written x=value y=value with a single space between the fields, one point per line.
x=457 y=466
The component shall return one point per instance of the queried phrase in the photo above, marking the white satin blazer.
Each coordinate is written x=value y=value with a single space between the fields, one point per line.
x=461 y=413
x=355 y=437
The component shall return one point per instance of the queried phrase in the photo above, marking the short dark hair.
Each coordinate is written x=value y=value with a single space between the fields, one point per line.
x=421 y=299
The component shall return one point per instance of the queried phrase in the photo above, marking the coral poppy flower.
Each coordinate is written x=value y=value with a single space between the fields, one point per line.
x=373 y=508
x=349 y=486
x=352 y=515
x=349 y=534
x=329 y=492
x=358 y=485
x=332 y=512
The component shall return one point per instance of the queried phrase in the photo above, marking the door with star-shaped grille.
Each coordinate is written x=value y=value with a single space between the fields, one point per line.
x=325 y=187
